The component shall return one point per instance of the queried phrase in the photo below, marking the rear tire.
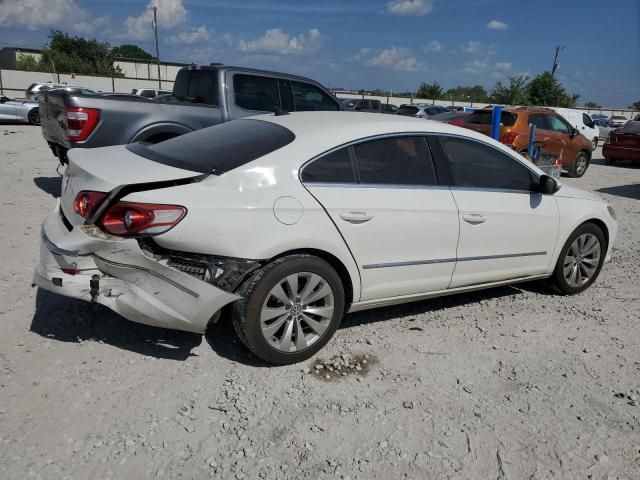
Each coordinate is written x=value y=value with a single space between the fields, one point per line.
x=580 y=260
x=580 y=165
x=34 y=116
x=279 y=318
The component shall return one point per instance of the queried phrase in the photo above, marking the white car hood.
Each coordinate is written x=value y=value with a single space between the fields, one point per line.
x=573 y=192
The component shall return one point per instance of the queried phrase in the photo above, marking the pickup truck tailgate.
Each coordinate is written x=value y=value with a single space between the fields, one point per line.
x=54 y=128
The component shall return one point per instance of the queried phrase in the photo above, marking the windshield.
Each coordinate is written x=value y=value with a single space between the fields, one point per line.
x=218 y=149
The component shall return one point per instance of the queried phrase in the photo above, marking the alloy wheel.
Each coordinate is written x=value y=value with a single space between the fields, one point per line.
x=582 y=260
x=297 y=311
x=581 y=165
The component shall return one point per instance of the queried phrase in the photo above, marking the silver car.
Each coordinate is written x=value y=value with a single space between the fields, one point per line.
x=420 y=110
x=19 y=110
x=604 y=128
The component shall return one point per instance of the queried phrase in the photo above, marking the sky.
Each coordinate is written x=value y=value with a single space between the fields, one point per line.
x=388 y=44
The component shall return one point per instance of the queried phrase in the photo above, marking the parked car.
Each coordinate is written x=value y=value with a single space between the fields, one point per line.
x=455 y=108
x=34 y=88
x=389 y=108
x=149 y=92
x=604 y=128
x=618 y=120
x=623 y=143
x=420 y=110
x=554 y=134
x=582 y=122
x=452 y=118
x=67 y=88
x=362 y=105
x=636 y=118
x=166 y=234
x=19 y=110
x=202 y=96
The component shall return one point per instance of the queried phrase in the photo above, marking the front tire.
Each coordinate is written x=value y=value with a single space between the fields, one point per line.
x=580 y=165
x=34 y=117
x=580 y=260
x=594 y=143
x=290 y=309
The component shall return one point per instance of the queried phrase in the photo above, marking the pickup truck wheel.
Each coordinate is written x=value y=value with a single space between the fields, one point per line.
x=290 y=309
x=34 y=117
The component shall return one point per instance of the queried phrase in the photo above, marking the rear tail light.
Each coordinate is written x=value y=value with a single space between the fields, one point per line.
x=130 y=218
x=86 y=202
x=509 y=138
x=558 y=162
x=80 y=122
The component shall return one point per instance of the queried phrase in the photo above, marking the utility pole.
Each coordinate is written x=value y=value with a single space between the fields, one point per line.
x=556 y=64
x=155 y=32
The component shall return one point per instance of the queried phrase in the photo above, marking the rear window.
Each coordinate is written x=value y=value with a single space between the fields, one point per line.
x=483 y=117
x=629 y=127
x=197 y=86
x=407 y=110
x=218 y=149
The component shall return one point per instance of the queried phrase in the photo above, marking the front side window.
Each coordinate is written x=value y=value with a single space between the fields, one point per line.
x=335 y=167
x=308 y=97
x=254 y=92
x=148 y=93
x=473 y=164
x=395 y=161
x=558 y=124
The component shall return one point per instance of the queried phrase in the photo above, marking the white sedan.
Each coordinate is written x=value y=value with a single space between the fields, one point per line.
x=292 y=220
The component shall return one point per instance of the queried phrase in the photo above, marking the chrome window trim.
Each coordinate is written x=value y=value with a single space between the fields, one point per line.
x=377 y=185
x=450 y=260
x=510 y=154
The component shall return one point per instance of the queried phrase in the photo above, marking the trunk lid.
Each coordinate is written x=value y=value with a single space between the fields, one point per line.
x=103 y=169
x=627 y=136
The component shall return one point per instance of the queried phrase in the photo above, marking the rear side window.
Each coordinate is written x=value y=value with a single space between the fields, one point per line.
x=407 y=110
x=473 y=164
x=197 y=86
x=335 y=167
x=483 y=117
x=308 y=97
x=253 y=92
x=220 y=148
x=540 y=121
x=395 y=161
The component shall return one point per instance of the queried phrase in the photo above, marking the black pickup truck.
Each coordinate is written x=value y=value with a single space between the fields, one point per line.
x=202 y=96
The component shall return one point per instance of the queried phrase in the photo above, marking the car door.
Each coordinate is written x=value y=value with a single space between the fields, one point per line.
x=401 y=227
x=568 y=143
x=506 y=230
x=8 y=110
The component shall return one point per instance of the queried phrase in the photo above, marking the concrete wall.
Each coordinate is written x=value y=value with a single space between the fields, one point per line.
x=145 y=70
x=13 y=83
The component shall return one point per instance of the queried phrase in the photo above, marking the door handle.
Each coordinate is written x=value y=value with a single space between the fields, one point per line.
x=355 y=217
x=474 y=218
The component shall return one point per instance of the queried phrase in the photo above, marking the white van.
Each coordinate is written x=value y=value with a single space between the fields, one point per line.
x=582 y=121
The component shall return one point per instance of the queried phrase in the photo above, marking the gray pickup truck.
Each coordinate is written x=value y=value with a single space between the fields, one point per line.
x=202 y=96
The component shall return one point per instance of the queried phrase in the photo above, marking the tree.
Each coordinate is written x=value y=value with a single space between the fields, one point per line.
x=516 y=93
x=592 y=105
x=545 y=90
x=131 y=51
x=477 y=93
x=635 y=105
x=430 y=90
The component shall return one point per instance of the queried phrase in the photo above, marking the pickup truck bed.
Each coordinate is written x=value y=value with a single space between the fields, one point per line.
x=202 y=97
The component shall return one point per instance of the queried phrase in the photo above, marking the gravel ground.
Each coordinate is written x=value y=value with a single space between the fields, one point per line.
x=509 y=383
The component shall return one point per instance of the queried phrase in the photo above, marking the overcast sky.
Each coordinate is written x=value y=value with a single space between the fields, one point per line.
x=368 y=43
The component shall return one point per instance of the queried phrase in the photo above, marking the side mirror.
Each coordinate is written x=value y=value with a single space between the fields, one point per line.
x=547 y=185
x=574 y=132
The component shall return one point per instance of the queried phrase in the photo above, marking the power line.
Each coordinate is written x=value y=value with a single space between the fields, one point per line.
x=598 y=87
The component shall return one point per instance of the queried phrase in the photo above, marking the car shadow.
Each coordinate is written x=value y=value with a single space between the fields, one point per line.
x=618 y=164
x=69 y=320
x=222 y=338
x=628 y=191
x=50 y=185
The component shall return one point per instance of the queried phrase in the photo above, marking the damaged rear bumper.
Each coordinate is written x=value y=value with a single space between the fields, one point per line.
x=87 y=264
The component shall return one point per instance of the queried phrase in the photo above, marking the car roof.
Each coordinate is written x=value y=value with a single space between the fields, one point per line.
x=335 y=128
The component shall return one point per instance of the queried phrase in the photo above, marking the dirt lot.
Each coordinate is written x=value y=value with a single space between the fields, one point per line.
x=510 y=383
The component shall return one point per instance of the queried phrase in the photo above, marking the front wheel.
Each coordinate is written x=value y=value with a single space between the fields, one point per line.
x=579 y=167
x=290 y=309
x=594 y=143
x=34 y=117
x=580 y=260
